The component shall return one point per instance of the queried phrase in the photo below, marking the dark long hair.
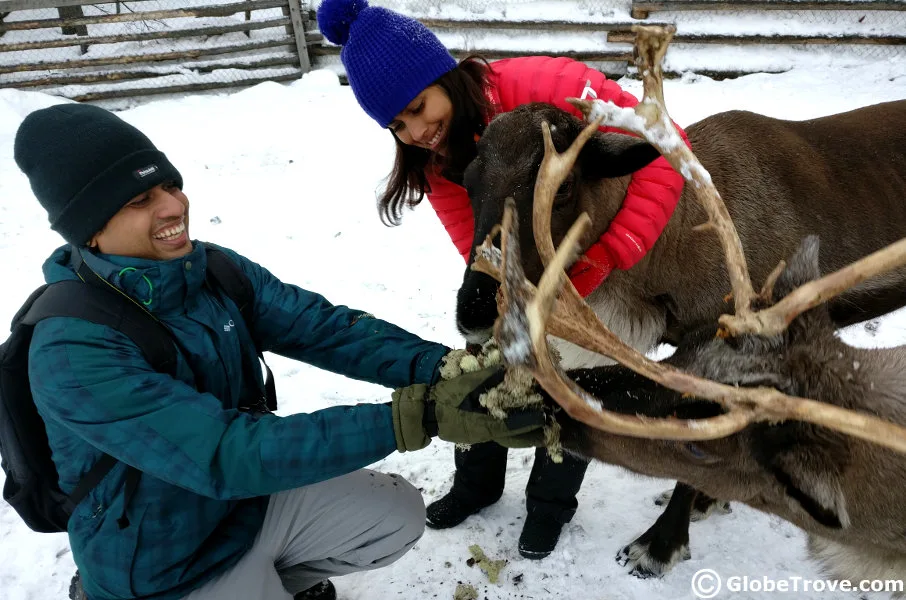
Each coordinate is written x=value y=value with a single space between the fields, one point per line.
x=407 y=184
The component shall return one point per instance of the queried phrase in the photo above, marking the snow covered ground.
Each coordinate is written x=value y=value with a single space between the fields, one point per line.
x=287 y=175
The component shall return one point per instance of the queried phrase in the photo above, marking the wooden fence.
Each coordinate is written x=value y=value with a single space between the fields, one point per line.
x=704 y=27
x=736 y=37
x=95 y=51
x=613 y=60
x=641 y=9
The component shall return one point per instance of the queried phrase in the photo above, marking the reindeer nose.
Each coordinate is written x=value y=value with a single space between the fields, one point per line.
x=476 y=307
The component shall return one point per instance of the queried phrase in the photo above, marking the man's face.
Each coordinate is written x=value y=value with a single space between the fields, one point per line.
x=153 y=225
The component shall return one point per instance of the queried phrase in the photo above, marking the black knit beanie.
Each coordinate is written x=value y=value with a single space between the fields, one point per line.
x=84 y=164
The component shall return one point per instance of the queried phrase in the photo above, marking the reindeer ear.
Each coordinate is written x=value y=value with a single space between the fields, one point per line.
x=803 y=266
x=808 y=463
x=608 y=155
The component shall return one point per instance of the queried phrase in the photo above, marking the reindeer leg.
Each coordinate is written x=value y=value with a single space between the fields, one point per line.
x=703 y=507
x=666 y=542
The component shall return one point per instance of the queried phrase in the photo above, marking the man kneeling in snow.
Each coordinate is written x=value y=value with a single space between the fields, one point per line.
x=232 y=501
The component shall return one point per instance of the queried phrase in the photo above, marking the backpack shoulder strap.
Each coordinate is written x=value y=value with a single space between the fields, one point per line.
x=91 y=301
x=229 y=277
x=224 y=274
x=75 y=299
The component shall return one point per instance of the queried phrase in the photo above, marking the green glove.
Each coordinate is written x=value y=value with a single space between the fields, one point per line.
x=451 y=410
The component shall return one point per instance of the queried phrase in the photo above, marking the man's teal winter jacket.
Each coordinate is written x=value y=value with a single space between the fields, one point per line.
x=207 y=468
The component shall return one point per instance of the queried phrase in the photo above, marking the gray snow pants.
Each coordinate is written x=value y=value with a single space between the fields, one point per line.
x=355 y=522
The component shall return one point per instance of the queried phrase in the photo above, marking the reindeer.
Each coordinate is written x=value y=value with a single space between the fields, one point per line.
x=845 y=493
x=842 y=177
x=728 y=423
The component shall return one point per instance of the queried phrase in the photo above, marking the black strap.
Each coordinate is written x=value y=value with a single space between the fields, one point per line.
x=225 y=275
x=94 y=476
x=133 y=476
x=270 y=387
x=230 y=278
x=91 y=479
x=113 y=310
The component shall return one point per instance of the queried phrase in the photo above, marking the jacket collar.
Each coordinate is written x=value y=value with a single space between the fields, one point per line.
x=160 y=286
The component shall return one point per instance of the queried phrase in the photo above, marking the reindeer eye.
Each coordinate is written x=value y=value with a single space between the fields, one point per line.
x=698 y=454
x=695 y=451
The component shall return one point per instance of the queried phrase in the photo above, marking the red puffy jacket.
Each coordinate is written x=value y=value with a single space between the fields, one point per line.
x=650 y=199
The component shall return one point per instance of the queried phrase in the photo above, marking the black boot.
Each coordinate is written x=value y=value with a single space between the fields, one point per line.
x=539 y=536
x=450 y=511
x=319 y=591
x=550 y=502
x=480 y=474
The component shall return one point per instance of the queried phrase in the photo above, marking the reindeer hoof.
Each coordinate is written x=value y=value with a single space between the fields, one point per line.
x=622 y=556
x=644 y=565
x=664 y=498
x=643 y=573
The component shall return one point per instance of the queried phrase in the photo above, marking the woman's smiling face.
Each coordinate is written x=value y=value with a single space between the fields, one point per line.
x=425 y=122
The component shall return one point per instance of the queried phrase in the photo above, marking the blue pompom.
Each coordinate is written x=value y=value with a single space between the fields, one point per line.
x=336 y=16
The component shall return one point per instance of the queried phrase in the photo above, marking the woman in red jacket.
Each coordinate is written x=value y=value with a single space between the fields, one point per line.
x=436 y=109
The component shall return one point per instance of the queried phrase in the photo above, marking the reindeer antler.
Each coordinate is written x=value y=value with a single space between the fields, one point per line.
x=527 y=315
x=650 y=120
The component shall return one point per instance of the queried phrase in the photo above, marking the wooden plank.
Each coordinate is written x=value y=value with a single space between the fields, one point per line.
x=544 y=25
x=109 y=76
x=220 y=10
x=145 y=36
x=608 y=73
x=11 y=5
x=642 y=8
x=295 y=12
x=717 y=75
x=585 y=56
x=69 y=13
x=289 y=28
x=859 y=39
x=181 y=54
x=177 y=89
x=86 y=78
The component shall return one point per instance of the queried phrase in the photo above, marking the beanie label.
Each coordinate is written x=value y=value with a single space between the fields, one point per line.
x=144 y=172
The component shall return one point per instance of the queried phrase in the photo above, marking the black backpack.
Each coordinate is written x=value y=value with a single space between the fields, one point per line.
x=31 y=486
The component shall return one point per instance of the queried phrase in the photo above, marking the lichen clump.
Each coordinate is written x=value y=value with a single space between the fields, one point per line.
x=516 y=392
x=465 y=591
x=490 y=567
x=458 y=362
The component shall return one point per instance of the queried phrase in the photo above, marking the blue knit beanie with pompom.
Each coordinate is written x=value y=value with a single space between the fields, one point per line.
x=389 y=58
